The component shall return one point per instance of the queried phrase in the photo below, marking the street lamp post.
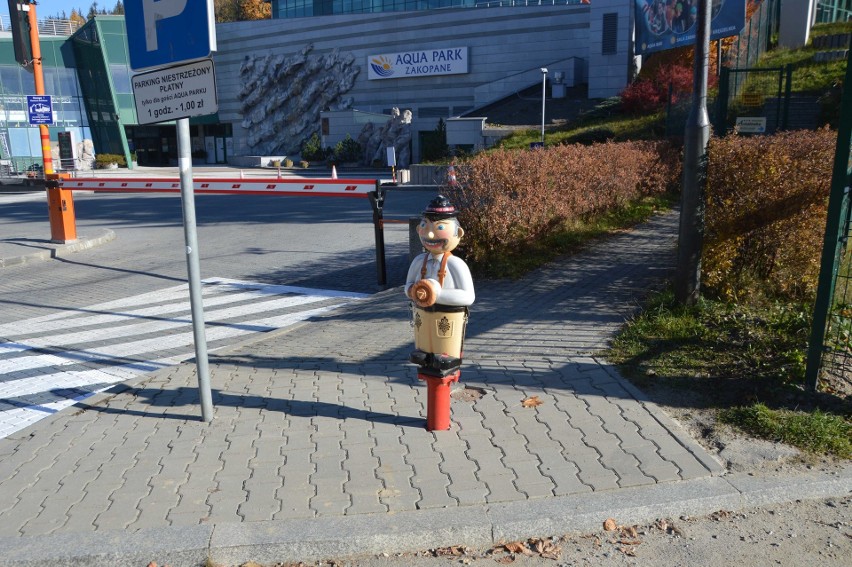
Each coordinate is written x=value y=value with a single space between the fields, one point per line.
x=543 y=93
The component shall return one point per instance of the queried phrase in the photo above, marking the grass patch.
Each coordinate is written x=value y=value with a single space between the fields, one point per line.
x=738 y=361
x=831 y=28
x=715 y=339
x=808 y=75
x=815 y=432
x=619 y=127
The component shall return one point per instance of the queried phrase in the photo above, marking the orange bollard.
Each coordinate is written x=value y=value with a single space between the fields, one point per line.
x=438 y=400
x=60 y=207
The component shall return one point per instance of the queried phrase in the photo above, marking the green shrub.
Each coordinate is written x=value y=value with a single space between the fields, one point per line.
x=347 y=150
x=766 y=203
x=312 y=149
x=102 y=161
x=434 y=144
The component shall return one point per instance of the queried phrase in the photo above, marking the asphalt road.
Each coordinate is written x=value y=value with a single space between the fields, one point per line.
x=325 y=243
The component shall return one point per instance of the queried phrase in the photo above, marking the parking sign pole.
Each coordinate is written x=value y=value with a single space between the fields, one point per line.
x=170 y=33
x=193 y=267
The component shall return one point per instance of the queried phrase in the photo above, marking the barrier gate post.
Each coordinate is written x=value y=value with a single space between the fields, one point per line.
x=377 y=201
x=60 y=210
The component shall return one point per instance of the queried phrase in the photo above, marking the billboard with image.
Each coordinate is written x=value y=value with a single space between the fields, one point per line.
x=666 y=24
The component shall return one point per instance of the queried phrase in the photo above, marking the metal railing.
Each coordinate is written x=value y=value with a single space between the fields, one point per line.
x=829 y=11
x=49 y=26
x=515 y=3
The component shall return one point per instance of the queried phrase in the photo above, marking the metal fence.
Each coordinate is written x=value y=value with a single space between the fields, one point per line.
x=740 y=53
x=755 y=39
x=829 y=11
x=830 y=345
x=760 y=96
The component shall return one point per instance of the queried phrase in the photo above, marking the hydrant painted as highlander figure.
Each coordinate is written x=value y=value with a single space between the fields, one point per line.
x=441 y=289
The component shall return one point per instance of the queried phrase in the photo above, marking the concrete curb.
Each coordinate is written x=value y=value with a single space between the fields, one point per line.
x=373 y=534
x=50 y=250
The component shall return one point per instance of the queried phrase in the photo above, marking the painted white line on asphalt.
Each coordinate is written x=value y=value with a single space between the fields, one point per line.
x=211 y=290
x=11 y=388
x=37 y=384
x=136 y=324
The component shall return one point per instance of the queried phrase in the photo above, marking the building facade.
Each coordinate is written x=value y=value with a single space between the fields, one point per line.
x=323 y=66
x=278 y=78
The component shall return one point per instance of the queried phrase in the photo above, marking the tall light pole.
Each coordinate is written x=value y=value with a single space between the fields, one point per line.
x=543 y=93
x=687 y=279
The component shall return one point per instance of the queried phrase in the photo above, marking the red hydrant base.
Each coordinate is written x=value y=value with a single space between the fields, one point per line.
x=438 y=400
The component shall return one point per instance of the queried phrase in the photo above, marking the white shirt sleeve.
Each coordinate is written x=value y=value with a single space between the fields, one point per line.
x=461 y=292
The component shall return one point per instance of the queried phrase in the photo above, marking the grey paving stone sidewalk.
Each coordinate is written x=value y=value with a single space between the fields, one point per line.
x=326 y=420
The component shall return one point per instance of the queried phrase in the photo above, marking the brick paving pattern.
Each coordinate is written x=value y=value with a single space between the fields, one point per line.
x=327 y=419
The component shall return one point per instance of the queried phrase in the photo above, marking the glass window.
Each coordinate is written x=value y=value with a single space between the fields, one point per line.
x=10 y=79
x=25 y=142
x=121 y=79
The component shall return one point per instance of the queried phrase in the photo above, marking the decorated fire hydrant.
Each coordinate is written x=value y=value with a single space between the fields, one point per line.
x=441 y=289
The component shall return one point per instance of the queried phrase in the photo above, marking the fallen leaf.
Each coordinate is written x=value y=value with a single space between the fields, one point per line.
x=531 y=402
x=517 y=547
x=546 y=548
x=454 y=550
x=609 y=525
x=629 y=551
x=720 y=515
x=506 y=559
x=662 y=525
x=629 y=531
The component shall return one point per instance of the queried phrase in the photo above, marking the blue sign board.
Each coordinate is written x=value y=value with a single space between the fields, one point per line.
x=39 y=109
x=666 y=24
x=165 y=32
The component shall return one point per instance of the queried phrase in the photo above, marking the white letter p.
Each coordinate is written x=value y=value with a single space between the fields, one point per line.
x=156 y=10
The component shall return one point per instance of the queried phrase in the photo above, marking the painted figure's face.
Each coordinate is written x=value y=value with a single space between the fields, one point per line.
x=440 y=235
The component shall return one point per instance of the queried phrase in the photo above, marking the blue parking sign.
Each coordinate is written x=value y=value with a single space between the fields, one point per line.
x=165 y=32
x=40 y=109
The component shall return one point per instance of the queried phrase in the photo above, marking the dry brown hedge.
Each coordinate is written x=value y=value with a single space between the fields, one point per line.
x=766 y=202
x=510 y=199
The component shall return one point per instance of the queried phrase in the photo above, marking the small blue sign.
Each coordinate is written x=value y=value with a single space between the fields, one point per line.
x=165 y=32
x=40 y=109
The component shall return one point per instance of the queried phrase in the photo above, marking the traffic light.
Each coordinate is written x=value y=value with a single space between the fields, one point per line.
x=20 y=31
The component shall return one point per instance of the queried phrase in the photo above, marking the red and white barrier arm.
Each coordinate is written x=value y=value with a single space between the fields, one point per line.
x=305 y=187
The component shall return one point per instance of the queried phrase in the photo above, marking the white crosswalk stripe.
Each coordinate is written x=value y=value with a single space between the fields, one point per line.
x=51 y=362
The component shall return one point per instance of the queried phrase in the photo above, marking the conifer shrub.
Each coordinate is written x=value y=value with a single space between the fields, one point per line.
x=347 y=150
x=766 y=206
x=312 y=149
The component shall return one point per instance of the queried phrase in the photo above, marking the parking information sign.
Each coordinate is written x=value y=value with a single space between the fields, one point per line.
x=175 y=92
x=40 y=109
